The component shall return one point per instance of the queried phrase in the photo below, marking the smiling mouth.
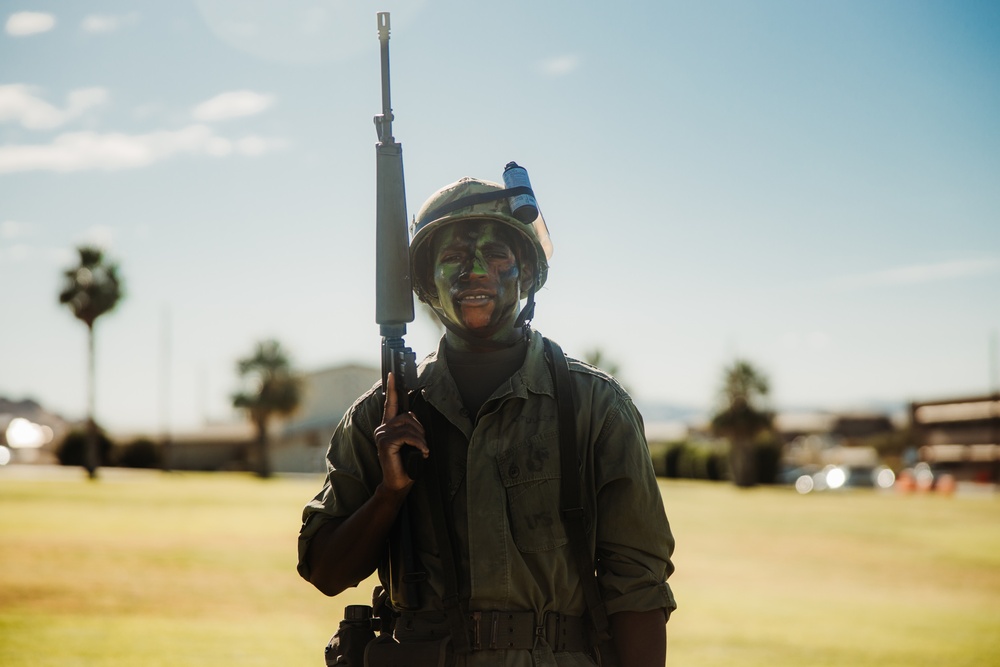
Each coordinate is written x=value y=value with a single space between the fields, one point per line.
x=478 y=299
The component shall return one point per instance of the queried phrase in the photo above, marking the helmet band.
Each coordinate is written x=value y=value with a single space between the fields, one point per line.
x=471 y=200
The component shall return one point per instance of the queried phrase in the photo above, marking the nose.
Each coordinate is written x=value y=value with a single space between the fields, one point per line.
x=476 y=268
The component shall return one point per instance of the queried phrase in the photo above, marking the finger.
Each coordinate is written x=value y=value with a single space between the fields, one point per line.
x=391 y=400
x=403 y=430
x=412 y=432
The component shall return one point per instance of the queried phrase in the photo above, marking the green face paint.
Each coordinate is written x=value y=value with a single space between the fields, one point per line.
x=477 y=277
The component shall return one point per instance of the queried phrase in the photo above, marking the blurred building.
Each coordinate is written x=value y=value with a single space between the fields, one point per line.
x=847 y=428
x=300 y=441
x=297 y=443
x=960 y=436
x=831 y=438
x=214 y=446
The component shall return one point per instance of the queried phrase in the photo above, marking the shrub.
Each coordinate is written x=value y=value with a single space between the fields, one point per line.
x=140 y=453
x=695 y=460
x=74 y=446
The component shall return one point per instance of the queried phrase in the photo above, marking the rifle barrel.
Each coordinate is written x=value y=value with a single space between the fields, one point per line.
x=385 y=124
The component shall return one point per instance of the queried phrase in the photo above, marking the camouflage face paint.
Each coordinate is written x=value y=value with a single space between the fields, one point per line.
x=477 y=277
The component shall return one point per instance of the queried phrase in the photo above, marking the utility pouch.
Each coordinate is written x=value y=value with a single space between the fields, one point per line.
x=356 y=631
x=385 y=651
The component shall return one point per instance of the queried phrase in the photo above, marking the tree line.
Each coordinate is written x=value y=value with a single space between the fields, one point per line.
x=271 y=387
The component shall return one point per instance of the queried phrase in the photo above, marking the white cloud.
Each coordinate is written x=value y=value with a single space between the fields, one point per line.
x=920 y=273
x=233 y=104
x=560 y=65
x=101 y=236
x=22 y=252
x=22 y=24
x=11 y=229
x=103 y=23
x=18 y=103
x=78 y=151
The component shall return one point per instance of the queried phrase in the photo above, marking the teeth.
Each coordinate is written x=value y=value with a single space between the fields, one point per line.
x=478 y=297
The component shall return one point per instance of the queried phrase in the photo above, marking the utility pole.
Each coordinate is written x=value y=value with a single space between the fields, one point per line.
x=166 y=446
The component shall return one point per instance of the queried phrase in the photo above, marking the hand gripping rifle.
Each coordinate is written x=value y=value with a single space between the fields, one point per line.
x=394 y=305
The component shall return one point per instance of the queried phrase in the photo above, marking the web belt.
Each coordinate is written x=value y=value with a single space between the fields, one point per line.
x=502 y=630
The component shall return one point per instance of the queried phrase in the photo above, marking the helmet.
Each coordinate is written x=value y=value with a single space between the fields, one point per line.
x=473 y=199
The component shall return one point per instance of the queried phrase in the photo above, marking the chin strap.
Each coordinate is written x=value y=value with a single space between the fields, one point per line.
x=528 y=312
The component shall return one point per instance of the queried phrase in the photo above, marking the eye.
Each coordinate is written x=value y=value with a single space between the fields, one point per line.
x=496 y=253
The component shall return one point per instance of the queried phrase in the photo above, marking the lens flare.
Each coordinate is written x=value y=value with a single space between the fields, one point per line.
x=836 y=477
x=804 y=484
x=25 y=434
x=885 y=478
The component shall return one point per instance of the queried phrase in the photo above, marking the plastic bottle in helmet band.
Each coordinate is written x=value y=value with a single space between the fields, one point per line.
x=523 y=206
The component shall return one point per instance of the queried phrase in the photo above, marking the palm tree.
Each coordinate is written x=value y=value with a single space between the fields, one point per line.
x=276 y=391
x=90 y=290
x=742 y=414
x=595 y=357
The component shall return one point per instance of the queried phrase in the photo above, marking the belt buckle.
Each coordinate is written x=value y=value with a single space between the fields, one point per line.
x=477 y=643
x=494 y=626
x=477 y=630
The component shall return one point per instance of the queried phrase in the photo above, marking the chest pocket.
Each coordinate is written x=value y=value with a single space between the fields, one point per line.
x=530 y=476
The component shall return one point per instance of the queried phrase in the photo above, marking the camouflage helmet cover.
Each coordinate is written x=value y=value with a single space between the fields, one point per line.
x=437 y=213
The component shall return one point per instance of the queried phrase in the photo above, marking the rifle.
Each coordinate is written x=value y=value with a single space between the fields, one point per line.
x=394 y=303
x=393 y=290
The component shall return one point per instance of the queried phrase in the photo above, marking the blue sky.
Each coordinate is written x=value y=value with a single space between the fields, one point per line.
x=812 y=186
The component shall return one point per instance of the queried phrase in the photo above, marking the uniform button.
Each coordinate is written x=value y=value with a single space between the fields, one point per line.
x=463 y=412
x=514 y=471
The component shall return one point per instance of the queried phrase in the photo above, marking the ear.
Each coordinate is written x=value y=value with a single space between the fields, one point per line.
x=432 y=301
x=428 y=295
x=527 y=277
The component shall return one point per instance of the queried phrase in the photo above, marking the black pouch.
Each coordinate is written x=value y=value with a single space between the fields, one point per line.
x=385 y=651
x=347 y=646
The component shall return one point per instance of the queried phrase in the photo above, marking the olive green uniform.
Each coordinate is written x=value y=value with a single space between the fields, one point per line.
x=501 y=475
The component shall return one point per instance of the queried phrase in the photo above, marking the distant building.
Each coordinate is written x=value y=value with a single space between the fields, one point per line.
x=960 y=435
x=301 y=441
x=298 y=442
x=831 y=438
x=848 y=428
x=215 y=446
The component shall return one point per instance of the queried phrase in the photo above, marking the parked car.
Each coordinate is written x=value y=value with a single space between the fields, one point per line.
x=807 y=479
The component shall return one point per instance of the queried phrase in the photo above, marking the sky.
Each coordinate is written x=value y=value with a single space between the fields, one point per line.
x=813 y=187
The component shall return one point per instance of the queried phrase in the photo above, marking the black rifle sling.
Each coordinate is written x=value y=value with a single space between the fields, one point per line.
x=437 y=427
x=570 y=494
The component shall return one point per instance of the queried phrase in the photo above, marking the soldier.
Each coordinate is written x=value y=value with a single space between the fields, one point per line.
x=488 y=560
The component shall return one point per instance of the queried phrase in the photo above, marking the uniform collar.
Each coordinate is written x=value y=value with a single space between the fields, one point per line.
x=532 y=378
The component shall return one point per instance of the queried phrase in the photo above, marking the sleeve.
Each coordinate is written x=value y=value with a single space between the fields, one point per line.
x=353 y=472
x=634 y=541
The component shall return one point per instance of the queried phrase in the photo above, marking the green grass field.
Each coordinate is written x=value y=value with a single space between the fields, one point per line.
x=191 y=570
